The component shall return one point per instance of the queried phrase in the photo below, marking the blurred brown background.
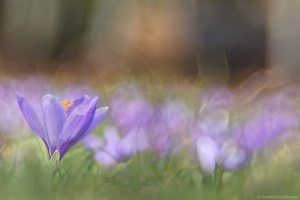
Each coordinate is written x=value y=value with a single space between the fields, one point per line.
x=216 y=40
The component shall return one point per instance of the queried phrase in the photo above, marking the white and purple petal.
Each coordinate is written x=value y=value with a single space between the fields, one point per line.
x=208 y=151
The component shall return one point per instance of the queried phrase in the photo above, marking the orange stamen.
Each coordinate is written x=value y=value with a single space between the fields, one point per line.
x=66 y=104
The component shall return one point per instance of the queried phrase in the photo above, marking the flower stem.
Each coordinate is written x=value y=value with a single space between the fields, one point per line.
x=217 y=178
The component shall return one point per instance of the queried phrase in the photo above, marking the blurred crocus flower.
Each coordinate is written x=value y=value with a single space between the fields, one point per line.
x=227 y=153
x=62 y=124
x=264 y=129
x=111 y=149
x=232 y=145
x=132 y=113
x=169 y=126
x=213 y=135
x=214 y=143
x=129 y=108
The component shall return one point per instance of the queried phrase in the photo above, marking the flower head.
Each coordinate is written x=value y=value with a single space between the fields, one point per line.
x=111 y=149
x=169 y=126
x=130 y=109
x=60 y=126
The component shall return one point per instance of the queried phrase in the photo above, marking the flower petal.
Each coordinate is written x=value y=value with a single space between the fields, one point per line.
x=128 y=146
x=207 y=150
x=105 y=159
x=77 y=102
x=77 y=124
x=99 y=115
x=232 y=156
x=30 y=116
x=92 y=142
x=113 y=141
x=54 y=118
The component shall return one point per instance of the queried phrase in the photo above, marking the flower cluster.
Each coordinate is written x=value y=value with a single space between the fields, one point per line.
x=218 y=129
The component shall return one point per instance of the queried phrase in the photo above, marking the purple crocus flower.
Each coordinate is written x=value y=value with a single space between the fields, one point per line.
x=61 y=125
x=215 y=144
x=227 y=153
x=129 y=108
x=213 y=136
x=264 y=129
x=111 y=149
x=169 y=126
x=132 y=113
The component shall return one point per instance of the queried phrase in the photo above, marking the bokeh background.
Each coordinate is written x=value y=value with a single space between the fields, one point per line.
x=217 y=40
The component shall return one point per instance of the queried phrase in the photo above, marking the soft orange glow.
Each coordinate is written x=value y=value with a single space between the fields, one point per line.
x=66 y=104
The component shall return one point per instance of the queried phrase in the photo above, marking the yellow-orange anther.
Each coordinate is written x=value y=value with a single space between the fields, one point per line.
x=66 y=104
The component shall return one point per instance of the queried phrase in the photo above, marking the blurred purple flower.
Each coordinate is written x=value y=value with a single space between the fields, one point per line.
x=130 y=109
x=60 y=126
x=111 y=149
x=214 y=124
x=169 y=126
x=227 y=153
x=264 y=129
x=215 y=144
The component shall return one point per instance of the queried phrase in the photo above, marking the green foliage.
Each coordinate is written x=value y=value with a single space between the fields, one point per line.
x=146 y=176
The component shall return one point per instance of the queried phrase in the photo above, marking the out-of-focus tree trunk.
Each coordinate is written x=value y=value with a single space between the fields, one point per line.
x=233 y=38
x=284 y=38
x=74 y=23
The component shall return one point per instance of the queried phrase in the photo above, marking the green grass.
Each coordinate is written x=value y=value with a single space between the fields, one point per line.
x=31 y=175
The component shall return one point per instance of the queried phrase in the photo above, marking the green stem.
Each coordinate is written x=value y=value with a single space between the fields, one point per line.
x=217 y=178
x=55 y=159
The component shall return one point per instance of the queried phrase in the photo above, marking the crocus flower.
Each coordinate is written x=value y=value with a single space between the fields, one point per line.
x=227 y=153
x=129 y=108
x=131 y=113
x=215 y=143
x=62 y=124
x=169 y=127
x=111 y=149
x=260 y=131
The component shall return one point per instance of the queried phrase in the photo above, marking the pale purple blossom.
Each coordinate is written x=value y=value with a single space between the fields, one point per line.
x=113 y=148
x=169 y=127
x=129 y=108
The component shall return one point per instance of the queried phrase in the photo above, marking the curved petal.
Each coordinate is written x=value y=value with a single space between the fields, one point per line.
x=232 y=156
x=207 y=150
x=30 y=116
x=76 y=125
x=99 y=115
x=77 y=102
x=54 y=118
